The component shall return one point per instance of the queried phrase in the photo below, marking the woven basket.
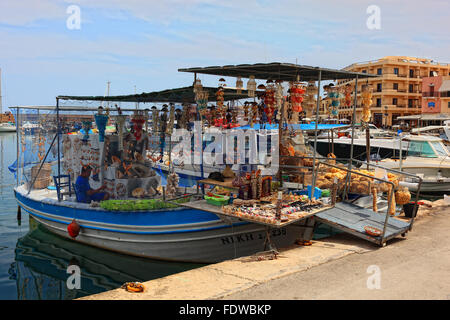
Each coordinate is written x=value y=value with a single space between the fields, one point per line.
x=41 y=183
x=43 y=179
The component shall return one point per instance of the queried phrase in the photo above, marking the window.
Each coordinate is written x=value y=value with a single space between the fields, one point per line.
x=411 y=88
x=379 y=102
x=395 y=86
x=364 y=71
x=394 y=101
x=396 y=71
x=379 y=71
x=421 y=149
x=379 y=87
x=410 y=103
x=440 y=149
x=411 y=73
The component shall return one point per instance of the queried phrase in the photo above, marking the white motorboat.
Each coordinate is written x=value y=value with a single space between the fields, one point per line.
x=428 y=158
x=7 y=127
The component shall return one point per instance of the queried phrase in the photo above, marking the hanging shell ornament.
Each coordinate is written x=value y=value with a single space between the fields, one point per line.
x=310 y=100
x=198 y=86
x=251 y=86
x=169 y=129
x=239 y=85
x=366 y=95
x=155 y=119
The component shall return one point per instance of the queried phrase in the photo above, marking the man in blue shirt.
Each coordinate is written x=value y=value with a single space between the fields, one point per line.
x=85 y=193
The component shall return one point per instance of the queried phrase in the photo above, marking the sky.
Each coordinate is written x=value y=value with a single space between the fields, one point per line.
x=140 y=44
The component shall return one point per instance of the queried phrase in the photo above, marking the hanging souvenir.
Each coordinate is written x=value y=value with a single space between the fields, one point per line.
x=348 y=95
x=170 y=125
x=198 y=86
x=253 y=113
x=297 y=91
x=366 y=95
x=251 y=86
x=246 y=106
x=220 y=99
x=222 y=83
x=138 y=121
x=335 y=95
x=178 y=116
x=185 y=117
x=172 y=184
x=234 y=116
x=155 y=119
x=202 y=103
x=310 y=101
x=163 y=119
x=146 y=116
x=101 y=120
x=239 y=85
x=87 y=124
x=278 y=97
x=269 y=101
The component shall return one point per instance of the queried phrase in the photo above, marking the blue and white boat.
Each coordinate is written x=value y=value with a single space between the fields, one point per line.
x=176 y=234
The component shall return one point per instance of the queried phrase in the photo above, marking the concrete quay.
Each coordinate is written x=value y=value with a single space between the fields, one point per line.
x=333 y=268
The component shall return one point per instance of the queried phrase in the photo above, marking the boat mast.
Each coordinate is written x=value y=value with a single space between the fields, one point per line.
x=1 y=98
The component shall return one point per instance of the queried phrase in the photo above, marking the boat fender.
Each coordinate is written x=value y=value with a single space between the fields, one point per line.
x=73 y=229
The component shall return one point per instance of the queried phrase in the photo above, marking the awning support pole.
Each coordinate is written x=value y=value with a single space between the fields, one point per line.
x=314 y=174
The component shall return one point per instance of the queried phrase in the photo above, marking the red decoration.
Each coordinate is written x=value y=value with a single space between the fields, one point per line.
x=138 y=123
x=297 y=92
x=269 y=101
x=74 y=229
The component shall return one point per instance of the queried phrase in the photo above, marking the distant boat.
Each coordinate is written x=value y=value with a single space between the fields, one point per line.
x=7 y=127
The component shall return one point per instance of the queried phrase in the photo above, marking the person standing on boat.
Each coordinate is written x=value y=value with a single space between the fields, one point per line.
x=84 y=191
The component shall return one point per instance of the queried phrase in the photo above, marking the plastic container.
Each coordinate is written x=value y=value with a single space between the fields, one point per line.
x=218 y=200
x=317 y=192
x=409 y=208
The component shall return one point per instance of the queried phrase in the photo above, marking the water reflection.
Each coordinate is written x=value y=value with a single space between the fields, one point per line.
x=42 y=259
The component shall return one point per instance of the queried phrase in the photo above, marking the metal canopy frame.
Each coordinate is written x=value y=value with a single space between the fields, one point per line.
x=277 y=71
x=176 y=95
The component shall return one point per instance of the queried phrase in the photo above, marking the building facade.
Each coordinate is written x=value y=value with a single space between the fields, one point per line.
x=436 y=95
x=398 y=89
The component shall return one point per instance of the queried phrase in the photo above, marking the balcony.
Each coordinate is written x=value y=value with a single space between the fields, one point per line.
x=430 y=94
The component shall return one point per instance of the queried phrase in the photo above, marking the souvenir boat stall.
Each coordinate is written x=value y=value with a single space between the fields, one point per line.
x=135 y=220
x=284 y=203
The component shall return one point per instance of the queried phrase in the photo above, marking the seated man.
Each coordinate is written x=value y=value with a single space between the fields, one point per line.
x=85 y=193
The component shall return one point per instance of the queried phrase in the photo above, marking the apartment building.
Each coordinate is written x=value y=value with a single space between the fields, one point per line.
x=398 y=89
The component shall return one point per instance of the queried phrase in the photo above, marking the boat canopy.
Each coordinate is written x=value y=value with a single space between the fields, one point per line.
x=277 y=71
x=176 y=95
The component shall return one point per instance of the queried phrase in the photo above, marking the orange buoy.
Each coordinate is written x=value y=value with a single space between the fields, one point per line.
x=74 y=229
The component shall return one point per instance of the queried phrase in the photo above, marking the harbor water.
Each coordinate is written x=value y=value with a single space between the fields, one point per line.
x=34 y=262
